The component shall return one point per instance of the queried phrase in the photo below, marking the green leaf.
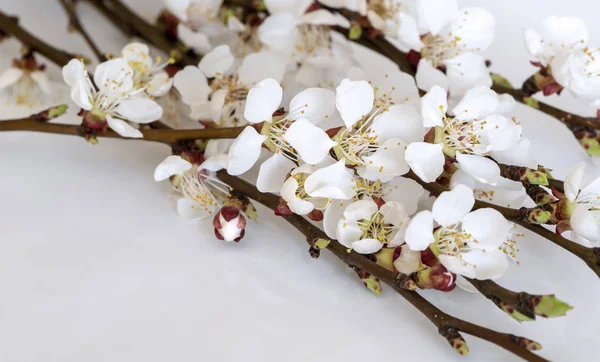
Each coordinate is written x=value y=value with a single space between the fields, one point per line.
x=532 y=102
x=535 y=177
x=519 y=317
x=251 y=212
x=592 y=146
x=500 y=80
x=321 y=243
x=57 y=111
x=549 y=306
x=373 y=284
x=355 y=32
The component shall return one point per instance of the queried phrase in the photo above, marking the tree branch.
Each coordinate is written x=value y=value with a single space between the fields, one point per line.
x=75 y=25
x=10 y=26
x=444 y=322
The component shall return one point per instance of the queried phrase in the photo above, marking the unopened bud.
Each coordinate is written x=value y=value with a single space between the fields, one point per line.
x=436 y=277
x=229 y=224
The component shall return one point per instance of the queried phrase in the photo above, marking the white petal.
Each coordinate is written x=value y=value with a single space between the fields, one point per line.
x=477 y=103
x=489 y=264
x=42 y=80
x=434 y=106
x=123 y=128
x=452 y=206
x=426 y=160
x=216 y=147
x=332 y=182
x=394 y=213
x=259 y=66
x=465 y=285
x=408 y=33
x=393 y=87
x=408 y=261
x=562 y=33
x=273 y=172
x=533 y=42
x=324 y=17
x=137 y=53
x=584 y=222
x=192 y=85
x=457 y=266
x=262 y=101
x=172 y=165
x=160 y=84
x=301 y=207
x=348 y=232
x=466 y=71
x=215 y=163
x=388 y=160
x=361 y=209
x=192 y=210
x=311 y=142
x=435 y=14
x=517 y=155
x=427 y=76
x=354 y=100
x=332 y=215
x=277 y=30
x=178 y=8
x=475 y=27
x=480 y=168
x=405 y=191
x=488 y=229
x=573 y=181
x=217 y=101
x=140 y=110
x=419 y=233
x=288 y=193
x=245 y=151
x=193 y=39
x=217 y=62
x=591 y=190
x=401 y=121
x=73 y=72
x=81 y=94
x=500 y=133
x=295 y=7
x=367 y=246
x=314 y=104
x=114 y=77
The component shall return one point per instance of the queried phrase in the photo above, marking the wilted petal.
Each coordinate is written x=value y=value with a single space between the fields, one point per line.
x=419 y=233
x=354 y=100
x=172 y=165
x=311 y=142
x=244 y=151
x=273 y=172
x=262 y=101
x=426 y=160
x=452 y=206
x=217 y=62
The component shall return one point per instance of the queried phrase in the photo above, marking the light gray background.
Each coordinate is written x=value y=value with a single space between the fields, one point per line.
x=95 y=265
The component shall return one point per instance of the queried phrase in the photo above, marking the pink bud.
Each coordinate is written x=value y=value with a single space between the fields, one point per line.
x=442 y=279
x=229 y=224
x=315 y=215
x=282 y=208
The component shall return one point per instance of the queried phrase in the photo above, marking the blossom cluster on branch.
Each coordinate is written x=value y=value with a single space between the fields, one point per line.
x=419 y=175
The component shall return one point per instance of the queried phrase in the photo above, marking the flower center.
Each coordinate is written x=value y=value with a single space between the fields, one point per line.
x=439 y=48
x=385 y=9
x=312 y=38
x=200 y=14
x=275 y=141
x=376 y=228
x=202 y=188
x=451 y=241
x=359 y=141
x=591 y=66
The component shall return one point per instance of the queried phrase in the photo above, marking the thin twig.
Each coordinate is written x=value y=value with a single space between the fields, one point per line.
x=75 y=25
x=10 y=26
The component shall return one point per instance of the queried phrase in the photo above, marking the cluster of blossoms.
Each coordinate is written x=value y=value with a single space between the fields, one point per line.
x=345 y=146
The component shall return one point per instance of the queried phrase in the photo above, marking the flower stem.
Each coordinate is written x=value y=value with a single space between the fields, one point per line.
x=75 y=25
x=446 y=324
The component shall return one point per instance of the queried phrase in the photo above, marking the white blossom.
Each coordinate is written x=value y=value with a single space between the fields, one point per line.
x=585 y=217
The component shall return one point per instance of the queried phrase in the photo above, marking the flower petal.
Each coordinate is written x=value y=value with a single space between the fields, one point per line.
x=457 y=266
x=478 y=103
x=354 y=100
x=388 y=160
x=311 y=142
x=215 y=163
x=140 y=110
x=488 y=229
x=160 y=84
x=361 y=209
x=426 y=160
x=324 y=17
x=259 y=66
x=73 y=72
x=517 y=155
x=194 y=39
x=434 y=106
x=465 y=285
x=408 y=262
x=584 y=222
x=192 y=85
x=367 y=246
x=427 y=76
x=123 y=128
x=573 y=181
x=244 y=151
x=480 y=168
x=295 y=7
x=419 y=233
x=435 y=14
x=332 y=182
x=406 y=191
x=277 y=30
x=42 y=80
x=172 y=165
x=452 y=206
x=466 y=71
x=314 y=104
x=273 y=172
x=489 y=264
x=114 y=77
x=332 y=216
x=297 y=205
x=401 y=121
x=348 y=232
x=217 y=62
x=137 y=53
x=262 y=101
x=395 y=214
x=217 y=101
x=500 y=133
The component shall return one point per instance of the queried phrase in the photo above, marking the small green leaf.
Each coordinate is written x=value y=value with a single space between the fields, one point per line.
x=532 y=102
x=373 y=284
x=355 y=32
x=549 y=306
x=460 y=346
x=57 y=111
x=592 y=146
x=321 y=243
x=537 y=216
x=251 y=212
x=500 y=80
x=535 y=177
x=519 y=317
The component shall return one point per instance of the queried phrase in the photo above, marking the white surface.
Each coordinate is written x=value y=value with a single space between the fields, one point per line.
x=96 y=266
